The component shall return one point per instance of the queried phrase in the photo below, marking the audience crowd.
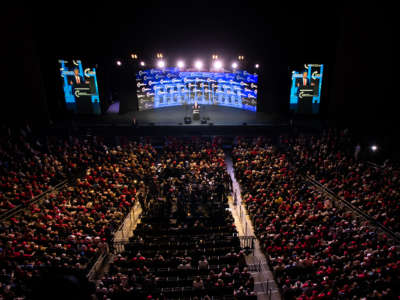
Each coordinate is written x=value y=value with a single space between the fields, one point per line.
x=31 y=165
x=186 y=244
x=71 y=226
x=316 y=250
x=334 y=160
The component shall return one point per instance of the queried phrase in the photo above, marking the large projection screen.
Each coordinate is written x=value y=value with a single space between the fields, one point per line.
x=305 y=92
x=171 y=87
x=80 y=87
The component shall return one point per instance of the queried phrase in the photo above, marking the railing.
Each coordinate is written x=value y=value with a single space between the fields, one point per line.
x=247 y=243
x=267 y=288
x=120 y=239
x=100 y=258
x=373 y=165
x=124 y=232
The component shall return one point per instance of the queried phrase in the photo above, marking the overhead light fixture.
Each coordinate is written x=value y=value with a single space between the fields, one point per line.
x=218 y=65
x=180 y=64
x=198 y=64
x=161 y=64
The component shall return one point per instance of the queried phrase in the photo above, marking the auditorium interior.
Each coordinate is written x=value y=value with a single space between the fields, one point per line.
x=223 y=150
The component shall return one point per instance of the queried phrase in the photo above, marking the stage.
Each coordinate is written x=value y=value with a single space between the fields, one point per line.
x=215 y=115
x=222 y=121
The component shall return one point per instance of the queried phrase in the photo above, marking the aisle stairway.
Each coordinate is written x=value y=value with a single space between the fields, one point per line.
x=265 y=285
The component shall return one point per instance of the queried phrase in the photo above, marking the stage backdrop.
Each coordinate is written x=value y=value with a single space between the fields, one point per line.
x=80 y=87
x=306 y=86
x=170 y=87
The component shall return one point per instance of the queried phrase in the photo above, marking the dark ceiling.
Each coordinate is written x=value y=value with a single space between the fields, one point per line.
x=187 y=28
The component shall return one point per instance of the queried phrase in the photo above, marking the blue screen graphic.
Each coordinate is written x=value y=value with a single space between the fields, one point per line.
x=305 y=92
x=171 y=87
x=80 y=85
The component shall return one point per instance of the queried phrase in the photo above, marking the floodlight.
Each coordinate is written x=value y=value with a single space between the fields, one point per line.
x=234 y=65
x=142 y=63
x=218 y=65
x=374 y=148
x=119 y=63
x=198 y=64
x=257 y=66
x=161 y=64
x=180 y=64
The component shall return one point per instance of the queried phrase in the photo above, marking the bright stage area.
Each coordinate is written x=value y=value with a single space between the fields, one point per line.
x=217 y=115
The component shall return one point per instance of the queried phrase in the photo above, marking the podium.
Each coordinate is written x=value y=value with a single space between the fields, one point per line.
x=304 y=105
x=84 y=105
x=196 y=114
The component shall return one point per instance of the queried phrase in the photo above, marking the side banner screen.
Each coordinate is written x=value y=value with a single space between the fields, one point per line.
x=305 y=92
x=80 y=87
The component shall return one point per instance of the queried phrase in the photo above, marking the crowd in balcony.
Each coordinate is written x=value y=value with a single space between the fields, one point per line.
x=69 y=227
x=316 y=248
x=334 y=159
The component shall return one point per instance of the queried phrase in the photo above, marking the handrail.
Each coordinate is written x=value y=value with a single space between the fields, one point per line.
x=120 y=227
x=99 y=262
x=247 y=241
x=374 y=165
x=356 y=209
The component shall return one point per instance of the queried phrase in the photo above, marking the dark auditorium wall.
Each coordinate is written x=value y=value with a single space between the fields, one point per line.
x=23 y=93
x=124 y=79
x=362 y=82
x=273 y=93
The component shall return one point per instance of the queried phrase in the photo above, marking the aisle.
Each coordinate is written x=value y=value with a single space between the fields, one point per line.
x=265 y=285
